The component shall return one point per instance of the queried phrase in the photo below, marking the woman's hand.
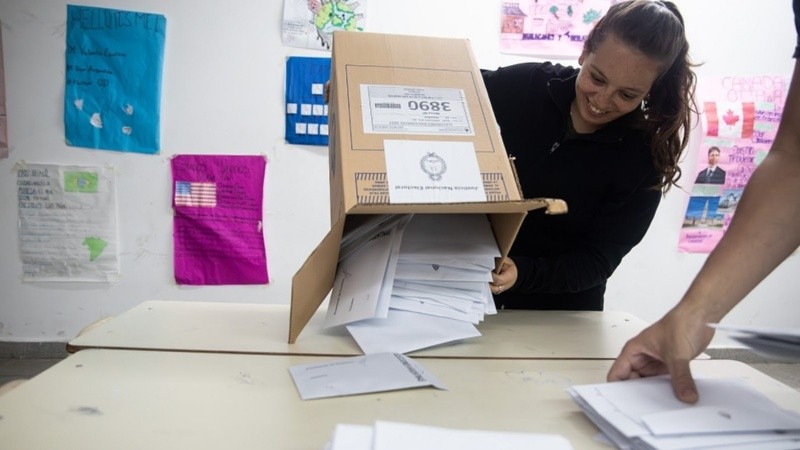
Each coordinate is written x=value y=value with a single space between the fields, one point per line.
x=505 y=278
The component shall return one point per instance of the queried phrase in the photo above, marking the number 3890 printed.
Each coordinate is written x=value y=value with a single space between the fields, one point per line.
x=415 y=110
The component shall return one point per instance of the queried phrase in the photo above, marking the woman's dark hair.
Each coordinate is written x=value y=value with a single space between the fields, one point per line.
x=656 y=29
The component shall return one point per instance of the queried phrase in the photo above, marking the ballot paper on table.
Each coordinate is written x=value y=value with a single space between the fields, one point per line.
x=385 y=435
x=780 y=344
x=403 y=332
x=644 y=414
x=378 y=372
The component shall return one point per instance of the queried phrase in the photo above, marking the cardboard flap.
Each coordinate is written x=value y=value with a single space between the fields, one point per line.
x=312 y=282
x=554 y=206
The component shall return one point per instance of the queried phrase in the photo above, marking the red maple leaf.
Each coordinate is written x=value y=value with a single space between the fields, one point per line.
x=730 y=118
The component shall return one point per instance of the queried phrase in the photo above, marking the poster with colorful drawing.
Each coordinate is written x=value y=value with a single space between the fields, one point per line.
x=551 y=28
x=311 y=23
x=739 y=116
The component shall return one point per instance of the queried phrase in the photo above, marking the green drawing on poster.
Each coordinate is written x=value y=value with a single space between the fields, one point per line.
x=80 y=182
x=95 y=245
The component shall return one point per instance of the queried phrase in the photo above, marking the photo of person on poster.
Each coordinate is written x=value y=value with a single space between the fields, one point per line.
x=713 y=174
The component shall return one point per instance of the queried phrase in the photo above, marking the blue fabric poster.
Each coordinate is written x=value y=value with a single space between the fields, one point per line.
x=112 y=95
x=306 y=111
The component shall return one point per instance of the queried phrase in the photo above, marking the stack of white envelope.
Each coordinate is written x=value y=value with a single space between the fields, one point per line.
x=406 y=282
x=780 y=344
x=645 y=414
x=445 y=265
x=405 y=436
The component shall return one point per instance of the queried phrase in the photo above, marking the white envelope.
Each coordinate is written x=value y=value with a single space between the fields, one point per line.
x=433 y=309
x=636 y=409
x=356 y=237
x=485 y=263
x=440 y=288
x=738 y=416
x=351 y=437
x=377 y=372
x=460 y=236
x=404 y=436
x=471 y=286
x=459 y=304
x=403 y=332
x=784 y=334
x=720 y=441
x=359 y=280
x=385 y=295
x=411 y=271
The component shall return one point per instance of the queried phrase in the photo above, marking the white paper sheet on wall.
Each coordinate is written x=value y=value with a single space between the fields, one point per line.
x=67 y=223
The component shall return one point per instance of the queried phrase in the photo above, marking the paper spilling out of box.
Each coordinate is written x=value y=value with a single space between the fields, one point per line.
x=422 y=100
x=378 y=372
x=645 y=414
x=385 y=435
x=409 y=282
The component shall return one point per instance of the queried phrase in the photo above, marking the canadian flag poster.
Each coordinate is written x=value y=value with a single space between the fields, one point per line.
x=739 y=117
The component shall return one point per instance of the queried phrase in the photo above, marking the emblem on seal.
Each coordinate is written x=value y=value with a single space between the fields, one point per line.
x=434 y=165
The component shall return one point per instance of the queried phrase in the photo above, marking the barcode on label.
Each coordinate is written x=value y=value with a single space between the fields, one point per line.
x=388 y=105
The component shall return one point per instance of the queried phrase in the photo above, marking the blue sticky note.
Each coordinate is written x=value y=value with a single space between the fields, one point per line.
x=112 y=95
x=306 y=111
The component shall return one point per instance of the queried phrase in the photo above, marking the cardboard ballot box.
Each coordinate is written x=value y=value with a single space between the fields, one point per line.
x=391 y=96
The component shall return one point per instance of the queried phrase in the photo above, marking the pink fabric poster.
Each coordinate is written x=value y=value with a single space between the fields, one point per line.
x=217 y=230
x=740 y=116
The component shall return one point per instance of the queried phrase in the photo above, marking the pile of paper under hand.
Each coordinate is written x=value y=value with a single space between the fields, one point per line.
x=405 y=436
x=730 y=415
x=409 y=282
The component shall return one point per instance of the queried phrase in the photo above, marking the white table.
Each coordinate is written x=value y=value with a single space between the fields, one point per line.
x=263 y=329
x=127 y=399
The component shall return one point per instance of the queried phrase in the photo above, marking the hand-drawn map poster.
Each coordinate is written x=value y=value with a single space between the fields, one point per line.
x=67 y=223
x=552 y=28
x=311 y=23
x=740 y=117
x=112 y=95
x=217 y=228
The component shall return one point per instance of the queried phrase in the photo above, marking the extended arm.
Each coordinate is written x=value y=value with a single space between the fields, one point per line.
x=764 y=231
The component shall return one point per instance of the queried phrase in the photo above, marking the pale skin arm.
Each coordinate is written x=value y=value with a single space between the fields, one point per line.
x=764 y=231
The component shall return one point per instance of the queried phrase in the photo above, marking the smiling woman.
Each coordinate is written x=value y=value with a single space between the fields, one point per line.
x=606 y=138
x=614 y=81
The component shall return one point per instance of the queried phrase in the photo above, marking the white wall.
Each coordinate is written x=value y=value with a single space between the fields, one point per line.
x=223 y=93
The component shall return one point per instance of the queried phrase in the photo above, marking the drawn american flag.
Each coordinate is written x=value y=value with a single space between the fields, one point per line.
x=195 y=194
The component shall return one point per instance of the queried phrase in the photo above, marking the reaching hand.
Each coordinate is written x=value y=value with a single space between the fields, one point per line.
x=667 y=346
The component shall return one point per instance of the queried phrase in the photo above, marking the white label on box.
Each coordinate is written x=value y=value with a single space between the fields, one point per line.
x=415 y=110
x=432 y=172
